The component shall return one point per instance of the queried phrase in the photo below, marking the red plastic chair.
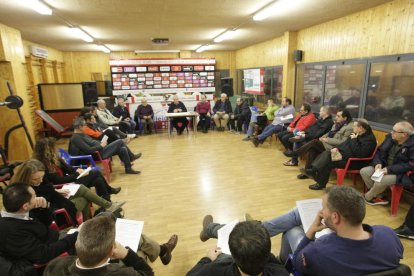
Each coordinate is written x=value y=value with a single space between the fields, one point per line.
x=341 y=172
x=396 y=193
x=106 y=164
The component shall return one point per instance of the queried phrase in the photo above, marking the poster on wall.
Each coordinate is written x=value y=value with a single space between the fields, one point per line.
x=162 y=76
x=253 y=81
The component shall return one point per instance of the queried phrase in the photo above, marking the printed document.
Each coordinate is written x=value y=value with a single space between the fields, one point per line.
x=287 y=117
x=72 y=188
x=308 y=210
x=85 y=172
x=377 y=175
x=223 y=236
x=104 y=139
x=128 y=232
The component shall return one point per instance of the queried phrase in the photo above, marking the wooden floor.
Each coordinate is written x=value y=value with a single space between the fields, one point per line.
x=187 y=177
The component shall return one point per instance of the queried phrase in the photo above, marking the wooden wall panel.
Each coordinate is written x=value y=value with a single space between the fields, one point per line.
x=268 y=53
x=383 y=30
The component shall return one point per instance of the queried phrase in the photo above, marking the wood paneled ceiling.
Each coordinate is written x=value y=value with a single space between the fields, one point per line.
x=127 y=25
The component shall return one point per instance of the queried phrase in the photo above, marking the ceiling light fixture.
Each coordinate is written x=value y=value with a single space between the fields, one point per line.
x=103 y=48
x=228 y=34
x=38 y=6
x=202 y=48
x=275 y=7
x=81 y=34
x=156 y=51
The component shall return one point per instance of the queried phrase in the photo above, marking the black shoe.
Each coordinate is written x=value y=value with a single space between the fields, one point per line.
x=405 y=232
x=316 y=186
x=136 y=156
x=290 y=153
x=131 y=171
x=302 y=176
x=114 y=191
x=256 y=142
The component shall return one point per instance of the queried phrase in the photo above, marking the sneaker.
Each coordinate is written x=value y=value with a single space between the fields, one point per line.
x=405 y=232
x=132 y=136
x=208 y=219
x=232 y=131
x=255 y=142
x=115 y=206
x=377 y=201
x=237 y=133
x=246 y=138
x=248 y=217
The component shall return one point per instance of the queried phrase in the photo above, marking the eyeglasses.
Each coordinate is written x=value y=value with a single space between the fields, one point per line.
x=394 y=131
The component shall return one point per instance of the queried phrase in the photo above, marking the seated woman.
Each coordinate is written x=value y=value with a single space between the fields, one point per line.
x=203 y=108
x=179 y=123
x=58 y=172
x=32 y=172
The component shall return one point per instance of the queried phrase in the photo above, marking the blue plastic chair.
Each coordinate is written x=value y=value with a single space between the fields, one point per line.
x=69 y=158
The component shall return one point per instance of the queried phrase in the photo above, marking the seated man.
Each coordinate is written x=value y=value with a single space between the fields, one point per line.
x=93 y=130
x=179 y=123
x=406 y=230
x=102 y=125
x=302 y=122
x=222 y=108
x=24 y=238
x=82 y=144
x=283 y=115
x=353 y=249
x=145 y=114
x=394 y=157
x=269 y=115
x=241 y=114
x=249 y=244
x=120 y=111
x=360 y=144
x=96 y=245
x=340 y=131
x=106 y=117
x=322 y=126
x=203 y=109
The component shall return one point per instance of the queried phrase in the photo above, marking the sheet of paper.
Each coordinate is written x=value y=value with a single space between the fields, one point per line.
x=104 y=139
x=223 y=236
x=287 y=117
x=120 y=118
x=308 y=209
x=72 y=187
x=377 y=175
x=128 y=232
x=85 y=172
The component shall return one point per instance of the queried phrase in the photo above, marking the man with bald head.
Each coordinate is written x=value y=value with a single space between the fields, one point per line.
x=394 y=157
x=222 y=108
x=179 y=123
x=145 y=115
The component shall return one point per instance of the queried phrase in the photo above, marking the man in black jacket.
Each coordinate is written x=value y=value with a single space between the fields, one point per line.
x=241 y=114
x=121 y=111
x=322 y=126
x=394 y=158
x=81 y=144
x=96 y=245
x=249 y=244
x=222 y=109
x=24 y=238
x=360 y=144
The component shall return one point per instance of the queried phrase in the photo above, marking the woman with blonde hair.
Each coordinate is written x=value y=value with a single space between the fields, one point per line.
x=32 y=172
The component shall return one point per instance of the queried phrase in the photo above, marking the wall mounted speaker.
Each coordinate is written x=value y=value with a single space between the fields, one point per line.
x=227 y=86
x=297 y=55
x=90 y=92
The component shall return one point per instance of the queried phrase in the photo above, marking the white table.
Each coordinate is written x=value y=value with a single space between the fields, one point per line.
x=170 y=116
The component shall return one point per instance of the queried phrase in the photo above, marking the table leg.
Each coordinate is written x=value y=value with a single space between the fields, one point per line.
x=169 y=127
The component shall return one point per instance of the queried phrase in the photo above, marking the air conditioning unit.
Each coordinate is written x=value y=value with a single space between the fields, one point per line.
x=39 y=52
